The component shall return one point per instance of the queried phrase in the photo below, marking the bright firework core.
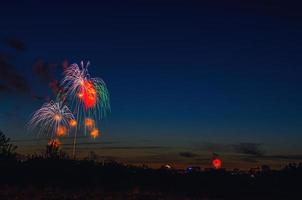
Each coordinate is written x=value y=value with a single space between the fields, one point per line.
x=87 y=94
x=58 y=117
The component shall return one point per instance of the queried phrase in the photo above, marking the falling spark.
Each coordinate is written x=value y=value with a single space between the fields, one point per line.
x=94 y=133
x=73 y=123
x=61 y=131
x=89 y=123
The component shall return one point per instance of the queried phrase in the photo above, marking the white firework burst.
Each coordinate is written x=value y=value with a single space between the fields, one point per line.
x=52 y=118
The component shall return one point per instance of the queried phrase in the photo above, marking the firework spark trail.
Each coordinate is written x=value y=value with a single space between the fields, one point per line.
x=51 y=119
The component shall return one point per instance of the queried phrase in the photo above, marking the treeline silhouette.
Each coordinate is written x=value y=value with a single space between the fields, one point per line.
x=55 y=174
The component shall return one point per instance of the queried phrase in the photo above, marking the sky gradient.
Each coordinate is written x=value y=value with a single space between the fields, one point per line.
x=186 y=79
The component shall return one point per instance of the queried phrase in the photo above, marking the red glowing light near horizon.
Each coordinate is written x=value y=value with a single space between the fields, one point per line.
x=87 y=94
x=216 y=163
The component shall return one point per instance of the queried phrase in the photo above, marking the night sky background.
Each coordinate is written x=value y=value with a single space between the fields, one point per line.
x=186 y=79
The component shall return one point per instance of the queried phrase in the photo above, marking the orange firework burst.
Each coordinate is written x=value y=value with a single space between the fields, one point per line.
x=52 y=118
x=94 y=133
x=73 y=123
x=89 y=96
x=89 y=122
x=61 y=131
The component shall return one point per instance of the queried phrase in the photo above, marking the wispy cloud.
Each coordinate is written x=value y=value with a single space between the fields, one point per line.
x=15 y=43
x=120 y=147
x=249 y=149
x=188 y=154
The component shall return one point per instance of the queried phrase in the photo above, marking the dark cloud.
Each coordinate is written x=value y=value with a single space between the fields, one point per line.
x=257 y=158
x=11 y=78
x=45 y=72
x=188 y=154
x=39 y=98
x=42 y=70
x=249 y=149
x=66 y=140
x=133 y=147
x=55 y=86
x=203 y=161
x=250 y=159
x=284 y=157
x=15 y=43
x=19 y=82
x=3 y=88
x=215 y=147
x=93 y=147
x=254 y=149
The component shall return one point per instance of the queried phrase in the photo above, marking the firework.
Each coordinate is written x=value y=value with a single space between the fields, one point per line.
x=89 y=96
x=52 y=119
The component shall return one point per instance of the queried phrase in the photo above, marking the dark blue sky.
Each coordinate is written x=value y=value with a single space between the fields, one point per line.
x=183 y=76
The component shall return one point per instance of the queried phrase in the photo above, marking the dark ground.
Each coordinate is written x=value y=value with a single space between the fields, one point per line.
x=53 y=175
x=49 y=178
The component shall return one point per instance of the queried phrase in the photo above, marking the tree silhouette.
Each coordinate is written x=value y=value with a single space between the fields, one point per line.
x=7 y=150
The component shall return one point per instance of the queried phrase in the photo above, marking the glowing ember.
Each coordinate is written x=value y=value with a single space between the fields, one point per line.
x=73 y=123
x=87 y=94
x=54 y=142
x=61 y=131
x=216 y=163
x=89 y=122
x=94 y=133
